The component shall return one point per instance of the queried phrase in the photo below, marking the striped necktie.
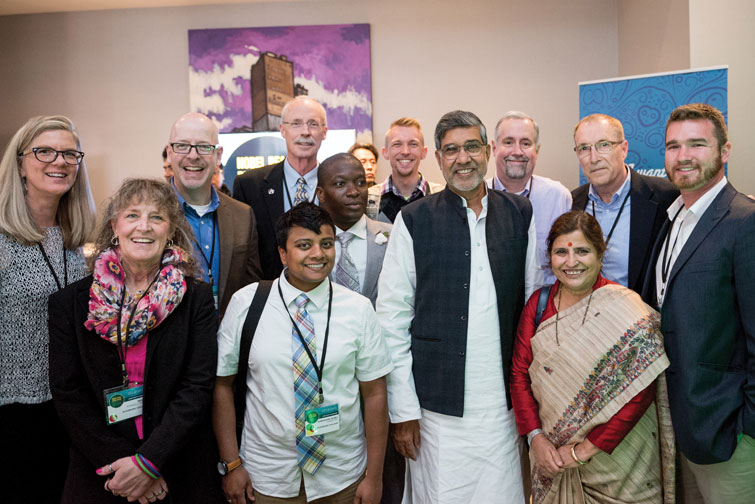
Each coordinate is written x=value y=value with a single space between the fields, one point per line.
x=301 y=192
x=310 y=451
x=346 y=271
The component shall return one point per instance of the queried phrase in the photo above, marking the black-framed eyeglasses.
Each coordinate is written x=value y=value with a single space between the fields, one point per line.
x=185 y=148
x=603 y=147
x=313 y=125
x=49 y=155
x=451 y=151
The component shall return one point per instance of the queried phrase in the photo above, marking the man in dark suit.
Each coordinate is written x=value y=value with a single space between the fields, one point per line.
x=630 y=207
x=274 y=189
x=701 y=277
x=225 y=230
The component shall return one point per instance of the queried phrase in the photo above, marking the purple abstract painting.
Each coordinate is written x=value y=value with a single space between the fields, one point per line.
x=331 y=63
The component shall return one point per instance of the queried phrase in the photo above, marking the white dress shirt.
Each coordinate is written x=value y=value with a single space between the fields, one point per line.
x=357 y=248
x=356 y=353
x=681 y=229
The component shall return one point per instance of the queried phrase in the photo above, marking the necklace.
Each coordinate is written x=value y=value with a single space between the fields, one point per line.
x=558 y=311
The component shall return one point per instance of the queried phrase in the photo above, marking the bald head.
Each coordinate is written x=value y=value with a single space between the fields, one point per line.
x=195 y=121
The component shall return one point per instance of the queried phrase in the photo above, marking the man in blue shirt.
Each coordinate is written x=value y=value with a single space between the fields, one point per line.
x=224 y=229
x=630 y=207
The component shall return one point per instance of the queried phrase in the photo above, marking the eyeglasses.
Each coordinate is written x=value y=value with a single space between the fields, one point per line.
x=451 y=151
x=313 y=125
x=184 y=148
x=603 y=147
x=49 y=155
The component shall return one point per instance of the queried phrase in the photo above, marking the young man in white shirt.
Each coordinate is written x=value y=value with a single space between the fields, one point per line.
x=345 y=356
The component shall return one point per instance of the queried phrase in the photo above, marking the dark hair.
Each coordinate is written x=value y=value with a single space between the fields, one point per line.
x=306 y=215
x=342 y=157
x=165 y=153
x=577 y=220
x=458 y=119
x=701 y=111
x=151 y=191
x=365 y=146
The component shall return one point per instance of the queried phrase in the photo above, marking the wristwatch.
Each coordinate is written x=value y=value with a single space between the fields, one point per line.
x=224 y=468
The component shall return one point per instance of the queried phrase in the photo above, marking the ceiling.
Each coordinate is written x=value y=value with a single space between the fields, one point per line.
x=8 y=7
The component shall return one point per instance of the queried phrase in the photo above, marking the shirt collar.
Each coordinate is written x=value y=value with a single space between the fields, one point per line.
x=701 y=205
x=484 y=202
x=498 y=185
x=292 y=176
x=214 y=199
x=358 y=229
x=317 y=296
x=422 y=187
x=618 y=197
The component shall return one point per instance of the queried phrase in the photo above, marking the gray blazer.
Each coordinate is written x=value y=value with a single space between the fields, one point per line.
x=375 y=254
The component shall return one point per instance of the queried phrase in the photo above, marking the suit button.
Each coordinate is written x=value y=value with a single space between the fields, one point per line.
x=466 y=253
x=466 y=285
x=463 y=317
x=461 y=354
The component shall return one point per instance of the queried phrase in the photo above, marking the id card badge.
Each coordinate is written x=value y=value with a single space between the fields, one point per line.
x=318 y=421
x=123 y=403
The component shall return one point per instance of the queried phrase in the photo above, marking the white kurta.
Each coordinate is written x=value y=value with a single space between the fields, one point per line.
x=474 y=458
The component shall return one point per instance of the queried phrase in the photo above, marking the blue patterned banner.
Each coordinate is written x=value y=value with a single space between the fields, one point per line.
x=644 y=103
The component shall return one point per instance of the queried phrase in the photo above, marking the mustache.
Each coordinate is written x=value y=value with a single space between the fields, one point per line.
x=519 y=159
x=304 y=141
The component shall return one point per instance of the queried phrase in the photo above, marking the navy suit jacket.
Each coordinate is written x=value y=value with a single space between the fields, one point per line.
x=708 y=323
x=262 y=189
x=650 y=197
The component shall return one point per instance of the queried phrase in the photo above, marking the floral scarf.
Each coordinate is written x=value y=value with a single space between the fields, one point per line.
x=107 y=294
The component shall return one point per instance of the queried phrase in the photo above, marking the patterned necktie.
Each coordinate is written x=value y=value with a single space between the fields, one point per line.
x=346 y=272
x=310 y=451
x=301 y=192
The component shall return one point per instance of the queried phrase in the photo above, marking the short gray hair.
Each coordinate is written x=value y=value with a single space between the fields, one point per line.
x=458 y=119
x=515 y=114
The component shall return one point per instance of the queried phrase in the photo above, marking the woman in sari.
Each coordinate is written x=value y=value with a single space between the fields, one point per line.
x=584 y=380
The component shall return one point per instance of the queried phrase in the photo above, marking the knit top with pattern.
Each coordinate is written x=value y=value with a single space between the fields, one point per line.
x=25 y=284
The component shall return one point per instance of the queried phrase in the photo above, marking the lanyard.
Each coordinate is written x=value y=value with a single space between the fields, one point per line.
x=318 y=369
x=288 y=194
x=52 y=271
x=212 y=251
x=616 y=221
x=122 y=341
x=666 y=265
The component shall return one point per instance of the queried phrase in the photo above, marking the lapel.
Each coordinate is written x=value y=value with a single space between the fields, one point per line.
x=648 y=285
x=718 y=208
x=642 y=214
x=579 y=197
x=273 y=193
x=375 y=255
x=225 y=234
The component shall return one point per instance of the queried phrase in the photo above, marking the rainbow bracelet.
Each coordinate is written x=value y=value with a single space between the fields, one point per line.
x=145 y=465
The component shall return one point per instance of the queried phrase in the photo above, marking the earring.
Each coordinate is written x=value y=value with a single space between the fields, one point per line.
x=170 y=243
x=114 y=241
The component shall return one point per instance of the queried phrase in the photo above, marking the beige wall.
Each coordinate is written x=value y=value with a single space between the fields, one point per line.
x=721 y=33
x=653 y=36
x=122 y=75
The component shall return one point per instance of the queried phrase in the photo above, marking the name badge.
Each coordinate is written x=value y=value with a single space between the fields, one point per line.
x=322 y=420
x=123 y=403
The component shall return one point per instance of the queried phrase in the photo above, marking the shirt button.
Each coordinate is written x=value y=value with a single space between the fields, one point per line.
x=481 y=268
x=478 y=244
x=207 y=247
x=201 y=222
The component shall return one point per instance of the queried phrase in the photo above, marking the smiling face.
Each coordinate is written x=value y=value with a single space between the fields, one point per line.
x=342 y=191
x=404 y=149
x=308 y=256
x=605 y=171
x=45 y=180
x=575 y=262
x=514 y=150
x=303 y=141
x=143 y=230
x=465 y=173
x=694 y=160
x=192 y=172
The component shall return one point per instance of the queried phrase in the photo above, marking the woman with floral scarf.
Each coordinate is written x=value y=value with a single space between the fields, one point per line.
x=132 y=359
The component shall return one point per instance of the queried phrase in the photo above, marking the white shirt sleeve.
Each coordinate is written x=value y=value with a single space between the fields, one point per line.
x=533 y=274
x=395 y=310
x=229 y=333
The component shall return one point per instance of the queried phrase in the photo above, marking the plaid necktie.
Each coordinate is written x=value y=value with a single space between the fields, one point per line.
x=310 y=451
x=346 y=272
x=301 y=192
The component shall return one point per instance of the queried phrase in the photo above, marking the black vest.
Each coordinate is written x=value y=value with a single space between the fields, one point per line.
x=440 y=233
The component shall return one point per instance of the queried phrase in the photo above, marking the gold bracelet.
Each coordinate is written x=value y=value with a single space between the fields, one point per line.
x=574 y=456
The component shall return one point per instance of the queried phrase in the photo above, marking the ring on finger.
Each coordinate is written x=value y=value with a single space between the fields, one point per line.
x=109 y=466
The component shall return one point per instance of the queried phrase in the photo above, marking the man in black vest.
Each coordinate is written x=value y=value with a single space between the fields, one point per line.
x=455 y=276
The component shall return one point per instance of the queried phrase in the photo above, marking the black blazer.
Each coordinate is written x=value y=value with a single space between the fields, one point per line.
x=650 y=197
x=262 y=189
x=708 y=323
x=179 y=376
